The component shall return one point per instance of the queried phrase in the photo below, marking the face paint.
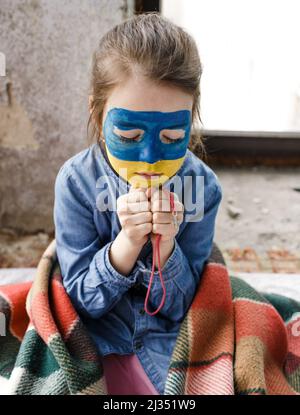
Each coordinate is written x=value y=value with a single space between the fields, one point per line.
x=154 y=142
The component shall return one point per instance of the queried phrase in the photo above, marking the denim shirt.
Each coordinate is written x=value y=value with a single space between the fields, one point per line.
x=110 y=304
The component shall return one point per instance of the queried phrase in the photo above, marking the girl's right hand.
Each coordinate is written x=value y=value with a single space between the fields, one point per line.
x=135 y=215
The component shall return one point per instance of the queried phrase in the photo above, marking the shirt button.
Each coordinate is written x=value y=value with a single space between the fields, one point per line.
x=142 y=311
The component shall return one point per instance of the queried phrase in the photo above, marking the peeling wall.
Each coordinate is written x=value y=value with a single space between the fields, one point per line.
x=48 y=46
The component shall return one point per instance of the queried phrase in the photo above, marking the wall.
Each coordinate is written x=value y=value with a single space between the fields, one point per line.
x=48 y=46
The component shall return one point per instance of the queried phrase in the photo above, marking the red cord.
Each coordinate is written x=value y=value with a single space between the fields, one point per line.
x=157 y=252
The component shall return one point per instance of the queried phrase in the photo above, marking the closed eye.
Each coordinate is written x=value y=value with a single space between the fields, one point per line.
x=172 y=136
x=128 y=138
x=128 y=135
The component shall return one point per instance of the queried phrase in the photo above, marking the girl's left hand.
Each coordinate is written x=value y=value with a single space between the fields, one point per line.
x=162 y=217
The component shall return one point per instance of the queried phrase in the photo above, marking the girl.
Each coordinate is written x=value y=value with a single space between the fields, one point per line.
x=112 y=202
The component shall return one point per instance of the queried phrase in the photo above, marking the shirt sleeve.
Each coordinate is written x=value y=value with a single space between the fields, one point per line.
x=89 y=278
x=184 y=267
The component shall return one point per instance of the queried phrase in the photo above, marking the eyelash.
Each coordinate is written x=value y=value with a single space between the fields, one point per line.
x=126 y=139
x=173 y=140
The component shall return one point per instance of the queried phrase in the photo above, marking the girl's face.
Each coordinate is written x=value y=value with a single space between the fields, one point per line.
x=146 y=127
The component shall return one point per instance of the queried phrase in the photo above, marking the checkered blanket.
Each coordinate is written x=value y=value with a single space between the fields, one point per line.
x=233 y=340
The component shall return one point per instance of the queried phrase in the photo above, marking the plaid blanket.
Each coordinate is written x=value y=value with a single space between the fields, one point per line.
x=233 y=340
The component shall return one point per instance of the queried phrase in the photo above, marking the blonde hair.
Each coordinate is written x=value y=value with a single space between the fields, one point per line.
x=161 y=50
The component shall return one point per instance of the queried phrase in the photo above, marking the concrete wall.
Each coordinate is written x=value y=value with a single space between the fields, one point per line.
x=48 y=46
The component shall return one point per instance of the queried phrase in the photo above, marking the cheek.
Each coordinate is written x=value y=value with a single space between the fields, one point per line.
x=117 y=147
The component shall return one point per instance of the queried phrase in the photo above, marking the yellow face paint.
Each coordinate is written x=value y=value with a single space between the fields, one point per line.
x=129 y=170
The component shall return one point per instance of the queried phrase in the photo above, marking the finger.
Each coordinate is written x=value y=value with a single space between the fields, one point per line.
x=177 y=221
x=178 y=206
x=160 y=205
x=163 y=229
x=164 y=193
x=149 y=192
x=138 y=218
x=133 y=189
x=179 y=218
x=165 y=206
x=136 y=207
x=160 y=194
x=142 y=228
x=139 y=230
x=137 y=196
x=162 y=217
x=166 y=217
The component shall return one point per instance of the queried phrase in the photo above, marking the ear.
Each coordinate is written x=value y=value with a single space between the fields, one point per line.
x=90 y=103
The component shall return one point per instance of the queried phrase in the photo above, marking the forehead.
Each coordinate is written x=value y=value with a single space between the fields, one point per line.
x=126 y=118
x=138 y=93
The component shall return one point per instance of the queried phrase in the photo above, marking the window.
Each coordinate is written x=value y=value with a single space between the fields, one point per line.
x=251 y=61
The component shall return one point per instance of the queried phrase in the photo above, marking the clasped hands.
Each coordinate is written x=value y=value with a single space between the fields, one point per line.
x=147 y=211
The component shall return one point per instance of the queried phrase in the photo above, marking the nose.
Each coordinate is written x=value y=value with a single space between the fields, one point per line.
x=149 y=158
x=151 y=152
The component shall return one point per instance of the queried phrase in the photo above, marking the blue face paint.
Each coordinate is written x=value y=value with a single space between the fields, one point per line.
x=149 y=147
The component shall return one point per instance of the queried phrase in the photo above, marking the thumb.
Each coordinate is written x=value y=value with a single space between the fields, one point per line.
x=137 y=189
x=150 y=190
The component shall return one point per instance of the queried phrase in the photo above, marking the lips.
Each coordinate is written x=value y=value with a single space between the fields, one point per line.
x=148 y=174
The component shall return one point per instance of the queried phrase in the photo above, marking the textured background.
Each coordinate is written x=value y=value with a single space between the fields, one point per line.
x=48 y=46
